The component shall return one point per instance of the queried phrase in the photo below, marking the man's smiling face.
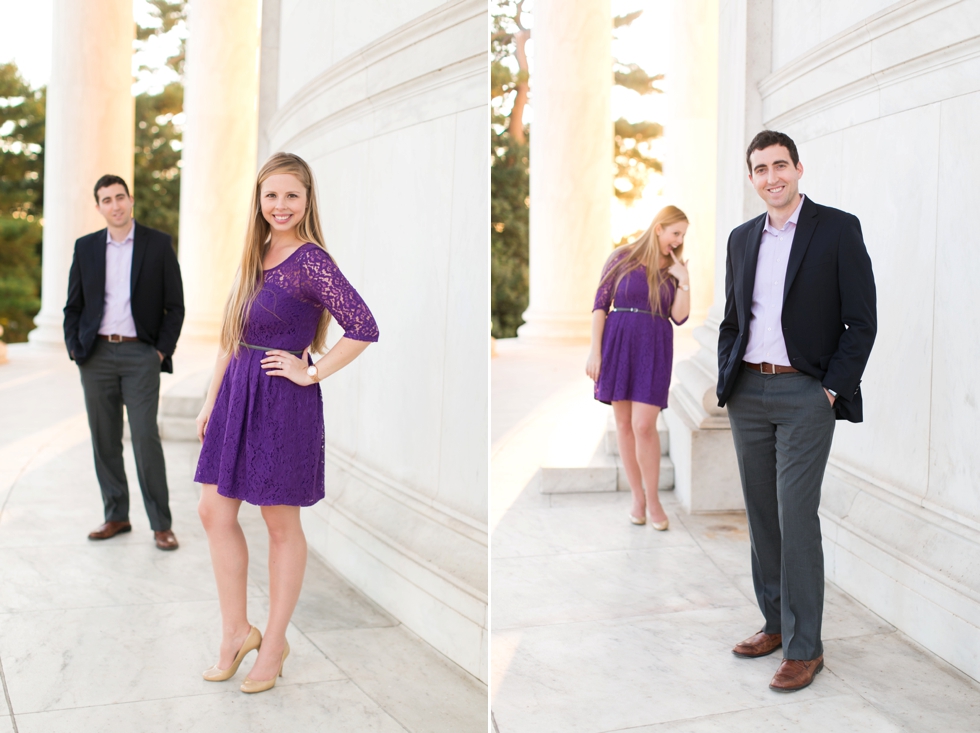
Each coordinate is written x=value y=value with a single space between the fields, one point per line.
x=775 y=177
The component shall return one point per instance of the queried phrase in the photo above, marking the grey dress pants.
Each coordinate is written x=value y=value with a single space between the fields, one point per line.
x=783 y=425
x=127 y=374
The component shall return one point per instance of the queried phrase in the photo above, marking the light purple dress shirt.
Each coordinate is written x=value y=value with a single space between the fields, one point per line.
x=766 y=342
x=117 y=313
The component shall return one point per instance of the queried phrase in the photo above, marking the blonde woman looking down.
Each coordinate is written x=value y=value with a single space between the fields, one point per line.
x=261 y=427
x=643 y=284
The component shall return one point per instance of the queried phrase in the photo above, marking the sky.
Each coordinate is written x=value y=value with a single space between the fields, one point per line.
x=25 y=37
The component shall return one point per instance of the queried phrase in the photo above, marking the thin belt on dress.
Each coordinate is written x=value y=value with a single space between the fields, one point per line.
x=767 y=368
x=269 y=348
x=630 y=310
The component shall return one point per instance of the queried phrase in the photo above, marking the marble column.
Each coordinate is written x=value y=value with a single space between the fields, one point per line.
x=268 y=75
x=571 y=168
x=218 y=160
x=90 y=129
x=691 y=132
x=705 y=471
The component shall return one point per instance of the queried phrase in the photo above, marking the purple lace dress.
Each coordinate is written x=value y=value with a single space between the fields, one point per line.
x=264 y=441
x=637 y=348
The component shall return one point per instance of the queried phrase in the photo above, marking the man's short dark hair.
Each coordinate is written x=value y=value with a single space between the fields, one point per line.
x=106 y=181
x=768 y=138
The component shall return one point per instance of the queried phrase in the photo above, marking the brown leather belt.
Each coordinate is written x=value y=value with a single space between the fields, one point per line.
x=767 y=368
x=116 y=338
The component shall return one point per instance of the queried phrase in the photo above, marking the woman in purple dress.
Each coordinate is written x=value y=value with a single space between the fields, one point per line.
x=642 y=285
x=261 y=427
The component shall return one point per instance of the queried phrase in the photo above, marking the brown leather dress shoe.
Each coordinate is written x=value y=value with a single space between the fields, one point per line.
x=759 y=645
x=795 y=674
x=109 y=529
x=165 y=540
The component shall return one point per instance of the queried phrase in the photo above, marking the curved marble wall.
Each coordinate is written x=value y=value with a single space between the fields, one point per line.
x=395 y=127
x=884 y=113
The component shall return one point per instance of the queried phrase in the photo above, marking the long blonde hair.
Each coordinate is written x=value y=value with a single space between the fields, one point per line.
x=645 y=251
x=250 y=275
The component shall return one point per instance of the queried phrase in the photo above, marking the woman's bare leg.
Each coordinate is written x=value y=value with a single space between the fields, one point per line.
x=229 y=557
x=287 y=564
x=622 y=411
x=648 y=455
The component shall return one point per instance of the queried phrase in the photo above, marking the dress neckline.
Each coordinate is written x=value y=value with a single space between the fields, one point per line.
x=291 y=255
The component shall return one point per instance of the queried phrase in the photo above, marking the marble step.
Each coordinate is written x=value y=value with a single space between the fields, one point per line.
x=604 y=473
x=612 y=445
x=181 y=404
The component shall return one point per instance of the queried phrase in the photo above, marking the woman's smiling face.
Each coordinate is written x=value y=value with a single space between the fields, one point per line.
x=671 y=236
x=283 y=201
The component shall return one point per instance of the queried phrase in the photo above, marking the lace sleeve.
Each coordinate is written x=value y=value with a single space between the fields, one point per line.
x=604 y=295
x=325 y=284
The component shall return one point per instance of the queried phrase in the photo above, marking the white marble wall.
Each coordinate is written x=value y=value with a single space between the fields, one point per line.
x=387 y=102
x=883 y=113
x=805 y=24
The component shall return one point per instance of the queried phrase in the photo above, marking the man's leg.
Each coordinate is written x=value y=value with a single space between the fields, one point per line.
x=804 y=432
x=755 y=447
x=104 y=405
x=141 y=393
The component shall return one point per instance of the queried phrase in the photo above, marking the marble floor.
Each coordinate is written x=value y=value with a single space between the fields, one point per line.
x=112 y=636
x=602 y=626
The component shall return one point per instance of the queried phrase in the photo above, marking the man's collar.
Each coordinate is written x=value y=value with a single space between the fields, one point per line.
x=792 y=220
x=128 y=238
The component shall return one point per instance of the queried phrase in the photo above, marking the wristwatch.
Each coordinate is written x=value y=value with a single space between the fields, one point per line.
x=314 y=374
x=831 y=393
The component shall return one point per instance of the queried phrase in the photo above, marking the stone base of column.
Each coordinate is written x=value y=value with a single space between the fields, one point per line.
x=705 y=469
x=48 y=330
x=538 y=326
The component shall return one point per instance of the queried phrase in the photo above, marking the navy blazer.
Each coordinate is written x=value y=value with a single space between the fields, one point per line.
x=156 y=293
x=829 y=315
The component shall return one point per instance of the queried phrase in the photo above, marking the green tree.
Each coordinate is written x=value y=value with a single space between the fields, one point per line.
x=510 y=94
x=21 y=202
x=156 y=169
x=509 y=181
x=156 y=166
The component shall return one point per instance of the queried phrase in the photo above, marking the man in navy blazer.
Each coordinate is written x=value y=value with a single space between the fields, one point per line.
x=800 y=320
x=123 y=317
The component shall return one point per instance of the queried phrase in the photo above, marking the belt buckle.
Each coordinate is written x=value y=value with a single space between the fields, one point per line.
x=773 y=369
x=115 y=338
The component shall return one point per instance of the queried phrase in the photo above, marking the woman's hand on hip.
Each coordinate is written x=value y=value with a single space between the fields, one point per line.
x=593 y=365
x=283 y=364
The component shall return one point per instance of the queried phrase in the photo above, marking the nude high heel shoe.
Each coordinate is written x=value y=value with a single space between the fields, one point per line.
x=661 y=526
x=252 y=641
x=263 y=685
